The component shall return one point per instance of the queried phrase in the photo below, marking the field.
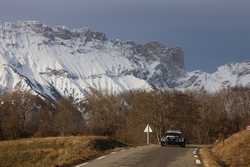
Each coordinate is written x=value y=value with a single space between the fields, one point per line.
x=53 y=152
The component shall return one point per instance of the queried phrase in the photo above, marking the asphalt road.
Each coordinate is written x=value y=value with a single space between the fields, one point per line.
x=146 y=156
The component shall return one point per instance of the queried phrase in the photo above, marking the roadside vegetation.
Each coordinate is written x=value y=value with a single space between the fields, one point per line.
x=203 y=117
x=234 y=151
x=231 y=152
x=53 y=151
x=24 y=115
x=209 y=160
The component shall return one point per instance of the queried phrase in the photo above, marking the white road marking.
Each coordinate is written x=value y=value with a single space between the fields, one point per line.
x=195 y=151
x=102 y=157
x=198 y=162
x=113 y=152
x=195 y=156
x=81 y=165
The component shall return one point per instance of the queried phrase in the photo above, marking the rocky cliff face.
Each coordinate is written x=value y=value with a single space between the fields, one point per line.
x=57 y=61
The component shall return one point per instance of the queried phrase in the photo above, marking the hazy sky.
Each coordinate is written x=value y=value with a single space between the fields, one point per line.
x=211 y=32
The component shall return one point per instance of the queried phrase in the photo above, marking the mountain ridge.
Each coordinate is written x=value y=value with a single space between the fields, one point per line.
x=58 y=61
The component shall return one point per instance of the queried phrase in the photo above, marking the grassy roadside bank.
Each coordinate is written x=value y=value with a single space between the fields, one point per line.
x=209 y=160
x=232 y=152
x=54 y=151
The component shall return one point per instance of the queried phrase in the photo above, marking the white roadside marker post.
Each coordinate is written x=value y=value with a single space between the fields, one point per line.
x=198 y=162
x=248 y=127
x=148 y=130
x=148 y=138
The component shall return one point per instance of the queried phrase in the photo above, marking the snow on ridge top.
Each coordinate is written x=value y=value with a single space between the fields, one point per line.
x=29 y=22
x=58 y=30
x=18 y=24
x=38 y=26
x=229 y=75
x=56 y=60
x=197 y=72
x=152 y=48
x=234 y=68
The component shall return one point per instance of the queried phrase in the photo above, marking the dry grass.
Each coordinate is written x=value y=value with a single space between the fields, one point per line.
x=234 y=151
x=51 y=152
x=209 y=160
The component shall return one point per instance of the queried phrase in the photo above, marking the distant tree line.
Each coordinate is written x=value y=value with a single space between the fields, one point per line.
x=25 y=115
x=202 y=117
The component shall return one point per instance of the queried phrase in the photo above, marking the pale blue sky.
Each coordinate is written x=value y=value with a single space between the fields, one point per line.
x=211 y=32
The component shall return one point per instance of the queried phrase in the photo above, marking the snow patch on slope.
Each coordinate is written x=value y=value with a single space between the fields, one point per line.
x=57 y=61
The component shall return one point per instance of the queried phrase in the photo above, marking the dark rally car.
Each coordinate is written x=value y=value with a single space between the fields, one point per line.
x=173 y=137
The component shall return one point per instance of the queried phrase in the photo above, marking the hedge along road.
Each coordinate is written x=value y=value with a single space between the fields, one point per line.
x=146 y=156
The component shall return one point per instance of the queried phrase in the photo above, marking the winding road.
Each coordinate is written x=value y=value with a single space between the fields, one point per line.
x=146 y=156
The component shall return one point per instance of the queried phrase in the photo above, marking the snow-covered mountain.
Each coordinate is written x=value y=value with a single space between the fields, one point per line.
x=57 y=61
x=230 y=75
